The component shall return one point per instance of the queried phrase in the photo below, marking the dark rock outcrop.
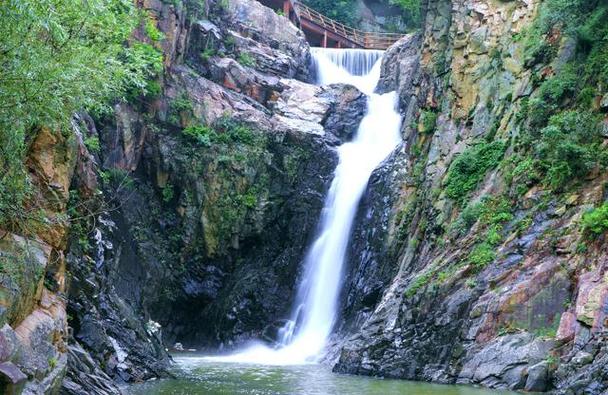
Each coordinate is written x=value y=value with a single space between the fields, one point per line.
x=417 y=304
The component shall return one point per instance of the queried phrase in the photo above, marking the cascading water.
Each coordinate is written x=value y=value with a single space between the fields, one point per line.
x=305 y=336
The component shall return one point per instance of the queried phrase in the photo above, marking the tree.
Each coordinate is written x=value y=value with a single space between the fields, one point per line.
x=57 y=57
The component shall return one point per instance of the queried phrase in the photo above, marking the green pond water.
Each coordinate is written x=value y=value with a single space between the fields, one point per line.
x=195 y=376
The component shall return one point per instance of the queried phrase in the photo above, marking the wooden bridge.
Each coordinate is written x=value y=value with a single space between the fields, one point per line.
x=322 y=31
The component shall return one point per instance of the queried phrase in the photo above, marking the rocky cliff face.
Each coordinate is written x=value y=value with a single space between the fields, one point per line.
x=482 y=272
x=188 y=209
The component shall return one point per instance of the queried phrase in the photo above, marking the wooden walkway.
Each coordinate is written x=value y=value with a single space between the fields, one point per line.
x=325 y=32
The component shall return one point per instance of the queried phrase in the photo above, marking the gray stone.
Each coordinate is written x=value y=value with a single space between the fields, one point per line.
x=11 y=374
x=538 y=378
x=582 y=358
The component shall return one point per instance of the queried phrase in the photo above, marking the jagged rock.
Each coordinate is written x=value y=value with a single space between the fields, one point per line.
x=28 y=259
x=538 y=378
x=348 y=107
x=11 y=375
x=84 y=375
x=399 y=65
x=265 y=26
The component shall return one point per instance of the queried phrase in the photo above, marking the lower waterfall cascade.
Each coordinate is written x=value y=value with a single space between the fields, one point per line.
x=304 y=337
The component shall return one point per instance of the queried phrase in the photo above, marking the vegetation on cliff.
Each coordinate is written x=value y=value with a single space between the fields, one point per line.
x=58 y=58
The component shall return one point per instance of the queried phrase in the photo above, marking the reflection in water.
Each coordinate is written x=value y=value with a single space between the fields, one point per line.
x=195 y=376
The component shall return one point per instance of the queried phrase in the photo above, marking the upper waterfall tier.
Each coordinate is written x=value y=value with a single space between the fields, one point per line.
x=358 y=67
x=357 y=62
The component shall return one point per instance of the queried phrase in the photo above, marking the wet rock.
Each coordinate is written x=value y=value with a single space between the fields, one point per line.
x=582 y=358
x=538 y=378
x=348 y=107
x=399 y=64
x=490 y=365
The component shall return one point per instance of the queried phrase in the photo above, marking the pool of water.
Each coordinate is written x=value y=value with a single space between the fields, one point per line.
x=196 y=376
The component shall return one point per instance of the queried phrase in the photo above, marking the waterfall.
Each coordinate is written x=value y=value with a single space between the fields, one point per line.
x=355 y=62
x=314 y=314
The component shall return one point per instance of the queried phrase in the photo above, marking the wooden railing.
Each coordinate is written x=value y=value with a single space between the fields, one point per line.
x=368 y=40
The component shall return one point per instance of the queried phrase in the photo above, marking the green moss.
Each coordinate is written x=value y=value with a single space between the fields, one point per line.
x=470 y=167
x=419 y=282
x=292 y=162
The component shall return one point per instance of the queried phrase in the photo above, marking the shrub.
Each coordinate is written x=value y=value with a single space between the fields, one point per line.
x=92 y=144
x=236 y=131
x=225 y=131
x=467 y=218
x=150 y=62
x=246 y=59
x=470 y=167
x=208 y=53
x=496 y=210
x=427 y=122
x=568 y=147
x=152 y=31
x=180 y=109
x=58 y=57
x=550 y=94
x=595 y=222
x=200 y=134
x=168 y=193
x=482 y=255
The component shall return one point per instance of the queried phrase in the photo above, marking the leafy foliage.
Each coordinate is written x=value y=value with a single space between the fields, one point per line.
x=470 y=167
x=595 y=222
x=569 y=146
x=246 y=59
x=152 y=31
x=225 y=131
x=411 y=7
x=57 y=57
x=482 y=255
x=341 y=10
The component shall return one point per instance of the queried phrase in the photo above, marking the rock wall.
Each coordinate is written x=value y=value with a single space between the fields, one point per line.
x=422 y=301
x=188 y=220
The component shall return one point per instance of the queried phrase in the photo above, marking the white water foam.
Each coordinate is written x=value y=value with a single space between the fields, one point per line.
x=304 y=337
